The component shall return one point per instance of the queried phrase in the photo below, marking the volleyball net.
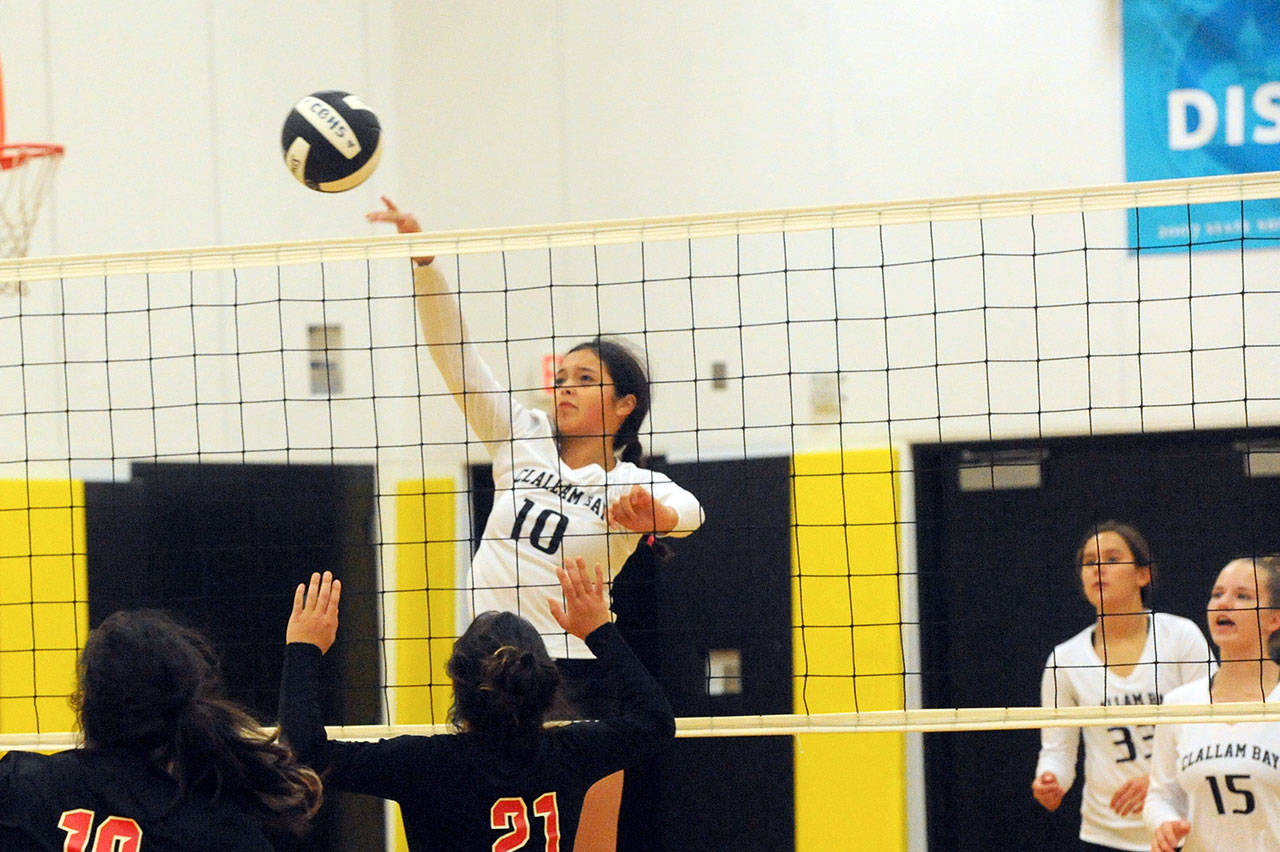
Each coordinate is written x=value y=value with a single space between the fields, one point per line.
x=199 y=429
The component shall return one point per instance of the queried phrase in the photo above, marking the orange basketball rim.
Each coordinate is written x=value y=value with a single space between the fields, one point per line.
x=26 y=174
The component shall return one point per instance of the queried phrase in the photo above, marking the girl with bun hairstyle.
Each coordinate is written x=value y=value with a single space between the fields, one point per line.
x=503 y=779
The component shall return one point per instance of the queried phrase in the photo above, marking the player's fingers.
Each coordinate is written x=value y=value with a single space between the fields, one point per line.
x=557 y=612
x=565 y=575
x=298 y=598
x=335 y=596
x=390 y=204
x=313 y=592
x=326 y=588
x=581 y=583
x=634 y=513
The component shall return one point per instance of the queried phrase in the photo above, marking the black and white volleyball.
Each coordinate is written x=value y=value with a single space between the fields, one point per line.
x=332 y=141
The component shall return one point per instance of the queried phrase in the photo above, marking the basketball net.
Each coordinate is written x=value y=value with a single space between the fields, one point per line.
x=26 y=173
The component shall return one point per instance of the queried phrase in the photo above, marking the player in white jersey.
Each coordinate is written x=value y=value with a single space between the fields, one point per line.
x=1128 y=656
x=564 y=488
x=1216 y=786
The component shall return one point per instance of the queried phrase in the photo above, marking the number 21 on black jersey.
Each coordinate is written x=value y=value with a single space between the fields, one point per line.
x=513 y=814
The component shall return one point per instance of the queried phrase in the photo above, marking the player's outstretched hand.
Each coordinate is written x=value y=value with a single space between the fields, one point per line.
x=1131 y=796
x=406 y=223
x=1048 y=791
x=1169 y=835
x=315 y=612
x=585 y=607
x=639 y=512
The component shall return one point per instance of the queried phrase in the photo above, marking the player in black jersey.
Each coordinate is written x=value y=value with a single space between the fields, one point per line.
x=504 y=781
x=168 y=762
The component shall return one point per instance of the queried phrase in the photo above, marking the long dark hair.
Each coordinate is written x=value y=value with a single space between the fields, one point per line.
x=503 y=678
x=629 y=377
x=153 y=686
x=1137 y=545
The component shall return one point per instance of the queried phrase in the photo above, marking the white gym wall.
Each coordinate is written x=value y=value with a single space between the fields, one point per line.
x=504 y=113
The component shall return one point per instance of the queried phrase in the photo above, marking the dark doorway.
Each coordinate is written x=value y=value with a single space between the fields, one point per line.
x=998 y=591
x=223 y=547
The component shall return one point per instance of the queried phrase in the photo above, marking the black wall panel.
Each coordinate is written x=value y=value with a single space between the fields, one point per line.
x=223 y=547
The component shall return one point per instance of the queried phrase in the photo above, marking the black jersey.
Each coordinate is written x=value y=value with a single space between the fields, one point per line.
x=111 y=800
x=478 y=791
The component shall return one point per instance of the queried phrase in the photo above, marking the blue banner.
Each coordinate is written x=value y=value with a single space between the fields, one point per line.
x=1202 y=97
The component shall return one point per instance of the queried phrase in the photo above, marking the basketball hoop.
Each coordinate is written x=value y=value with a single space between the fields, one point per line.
x=26 y=172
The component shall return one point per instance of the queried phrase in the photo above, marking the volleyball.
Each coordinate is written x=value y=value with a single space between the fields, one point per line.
x=332 y=141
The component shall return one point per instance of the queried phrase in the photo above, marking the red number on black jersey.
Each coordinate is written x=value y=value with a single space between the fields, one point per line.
x=548 y=808
x=115 y=834
x=513 y=814
x=78 y=825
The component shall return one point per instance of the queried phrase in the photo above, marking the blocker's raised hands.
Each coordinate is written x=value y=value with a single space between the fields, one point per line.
x=585 y=607
x=315 y=612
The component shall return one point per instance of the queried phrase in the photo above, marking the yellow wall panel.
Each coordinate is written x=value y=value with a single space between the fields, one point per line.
x=848 y=649
x=44 y=611
x=425 y=600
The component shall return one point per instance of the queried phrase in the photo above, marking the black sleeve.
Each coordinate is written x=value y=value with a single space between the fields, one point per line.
x=6 y=764
x=384 y=768
x=645 y=722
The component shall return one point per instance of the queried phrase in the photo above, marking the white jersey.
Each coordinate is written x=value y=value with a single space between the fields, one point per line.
x=1224 y=779
x=1075 y=676
x=544 y=512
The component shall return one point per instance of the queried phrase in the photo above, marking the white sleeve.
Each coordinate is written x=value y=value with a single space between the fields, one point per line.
x=1196 y=660
x=689 y=515
x=1166 y=800
x=487 y=405
x=1058 y=746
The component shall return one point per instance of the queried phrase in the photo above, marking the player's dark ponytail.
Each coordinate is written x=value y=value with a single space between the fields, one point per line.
x=629 y=377
x=151 y=685
x=503 y=678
